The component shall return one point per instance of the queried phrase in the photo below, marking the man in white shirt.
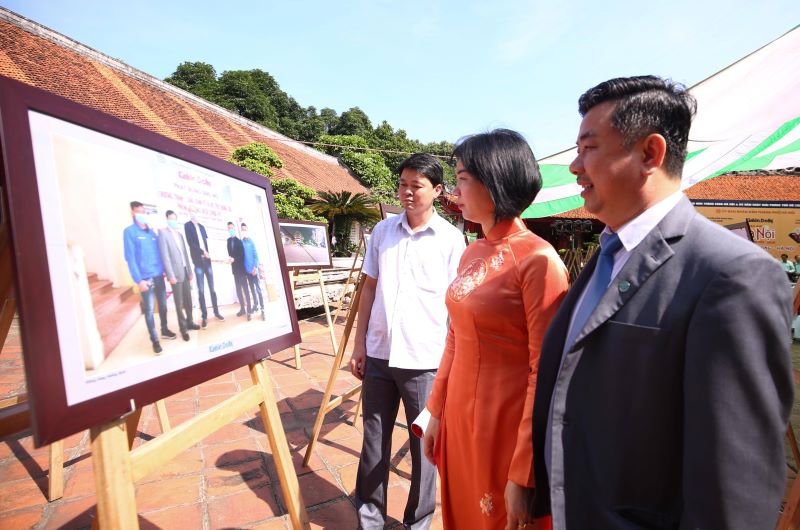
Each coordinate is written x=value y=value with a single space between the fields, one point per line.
x=402 y=325
x=665 y=382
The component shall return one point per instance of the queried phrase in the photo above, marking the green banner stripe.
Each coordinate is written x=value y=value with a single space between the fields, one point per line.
x=550 y=208
x=555 y=175
x=744 y=163
x=694 y=153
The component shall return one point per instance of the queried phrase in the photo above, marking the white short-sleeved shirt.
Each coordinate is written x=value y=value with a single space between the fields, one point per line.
x=408 y=323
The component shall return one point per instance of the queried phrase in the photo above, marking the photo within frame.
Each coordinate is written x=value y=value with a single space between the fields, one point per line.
x=117 y=231
x=306 y=244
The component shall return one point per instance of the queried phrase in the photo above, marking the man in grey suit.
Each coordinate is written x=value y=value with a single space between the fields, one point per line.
x=665 y=381
x=178 y=269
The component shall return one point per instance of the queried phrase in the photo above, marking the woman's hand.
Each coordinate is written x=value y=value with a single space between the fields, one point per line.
x=516 y=497
x=429 y=441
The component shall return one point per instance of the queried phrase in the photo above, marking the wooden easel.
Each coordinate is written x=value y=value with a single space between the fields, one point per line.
x=116 y=467
x=313 y=276
x=329 y=404
x=354 y=268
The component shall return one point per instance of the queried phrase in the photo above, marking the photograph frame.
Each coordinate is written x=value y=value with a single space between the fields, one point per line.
x=738 y=228
x=53 y=416
x=288 y=226
x=389 y=210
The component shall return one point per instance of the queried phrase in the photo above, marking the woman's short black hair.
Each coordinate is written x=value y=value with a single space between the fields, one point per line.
x=503 y=161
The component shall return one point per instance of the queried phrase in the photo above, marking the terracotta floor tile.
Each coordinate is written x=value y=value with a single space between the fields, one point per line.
x=224 y=388
x=20 y=520
x=340 y=514
x=188 y=517
x=181 y=406
x=168 y=492
x=69 y=515
x=223 y=481
x=347 y=476
x=231 y=453
x=319 y=487
x=21 y=494
x=242 y=509
x=80 y=483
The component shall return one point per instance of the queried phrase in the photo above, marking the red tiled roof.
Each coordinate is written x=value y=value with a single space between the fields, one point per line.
x=748 y=188
x=45 y=59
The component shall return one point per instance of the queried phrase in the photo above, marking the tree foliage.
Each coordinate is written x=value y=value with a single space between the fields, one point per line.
x=256 y=95
x=290 y=196
x=257 y=157
x=290 y=200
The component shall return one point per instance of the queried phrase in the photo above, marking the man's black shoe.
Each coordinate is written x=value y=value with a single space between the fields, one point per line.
x=249 y=316
x=204 y=323
x=240 y=313
x=167 y=334
x=263 y=316
x=185 y=336
x=157 y=348
x=193 y=326
x=219 y=317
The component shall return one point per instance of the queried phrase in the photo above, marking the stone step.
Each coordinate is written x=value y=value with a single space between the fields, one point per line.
x=116 y=322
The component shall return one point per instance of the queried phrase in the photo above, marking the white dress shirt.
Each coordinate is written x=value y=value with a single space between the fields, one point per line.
x=408 y=322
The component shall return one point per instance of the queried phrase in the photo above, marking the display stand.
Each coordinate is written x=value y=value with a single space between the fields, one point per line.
x=329 y=404
x=117 y=468
x=313 y=276
x=354 y=268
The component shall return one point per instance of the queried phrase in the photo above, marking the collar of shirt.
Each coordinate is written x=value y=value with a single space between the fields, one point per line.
x=634 y=231
x=431 y=224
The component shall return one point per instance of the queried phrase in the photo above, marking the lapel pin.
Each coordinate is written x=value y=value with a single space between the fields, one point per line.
x=624 y=285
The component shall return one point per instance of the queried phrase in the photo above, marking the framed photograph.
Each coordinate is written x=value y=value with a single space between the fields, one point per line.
x=142 y=266
x=306 y=244
x=389 y=210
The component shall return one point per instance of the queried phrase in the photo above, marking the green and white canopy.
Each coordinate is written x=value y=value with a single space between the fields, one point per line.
x=748 y=118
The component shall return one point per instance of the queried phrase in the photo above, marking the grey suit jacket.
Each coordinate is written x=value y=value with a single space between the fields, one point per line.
x=171 y=253
x=671 y=407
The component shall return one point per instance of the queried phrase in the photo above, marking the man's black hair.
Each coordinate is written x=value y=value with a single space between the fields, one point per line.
x=645 y=105
x=426 y=164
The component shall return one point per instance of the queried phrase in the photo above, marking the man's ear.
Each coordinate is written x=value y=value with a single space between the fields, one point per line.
x=654 y=150
x=438 y=189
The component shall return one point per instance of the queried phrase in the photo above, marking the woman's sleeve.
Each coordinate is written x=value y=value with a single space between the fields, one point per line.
x=544 y=283
x=439 y=391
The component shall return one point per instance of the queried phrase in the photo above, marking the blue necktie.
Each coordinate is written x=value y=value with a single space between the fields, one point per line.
x=609 y=245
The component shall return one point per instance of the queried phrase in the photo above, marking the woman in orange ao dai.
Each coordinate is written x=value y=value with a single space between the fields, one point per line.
x=508 y=287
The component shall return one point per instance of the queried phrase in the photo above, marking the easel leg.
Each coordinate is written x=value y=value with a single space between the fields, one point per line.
x=55 y=475
x=116 y=500
x=297 y=357
x=280 y=449
x=163 y=417
x=327 y=312
x=327 y=404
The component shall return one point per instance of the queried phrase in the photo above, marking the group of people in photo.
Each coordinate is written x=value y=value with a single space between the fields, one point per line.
x=178 y=254
x=652 y=393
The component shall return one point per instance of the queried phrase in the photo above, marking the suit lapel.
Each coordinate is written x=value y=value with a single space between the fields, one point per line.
x=654 y=250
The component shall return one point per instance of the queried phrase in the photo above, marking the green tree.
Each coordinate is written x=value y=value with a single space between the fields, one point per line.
x=336 y=144
x=198 y=78
x=257 y=157
x=371 y=169
x=290 y=200
x=290 y=196
x=353 y=121
x=240 y=93
x=341 y=209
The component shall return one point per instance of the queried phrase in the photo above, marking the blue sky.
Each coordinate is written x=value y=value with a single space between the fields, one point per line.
x=438 y=69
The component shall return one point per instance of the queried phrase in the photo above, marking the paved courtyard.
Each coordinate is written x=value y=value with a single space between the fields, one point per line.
x=227 y=480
